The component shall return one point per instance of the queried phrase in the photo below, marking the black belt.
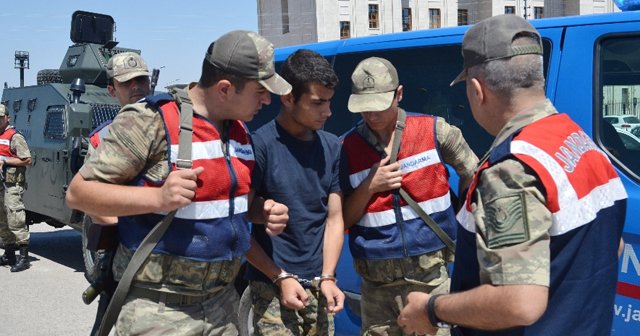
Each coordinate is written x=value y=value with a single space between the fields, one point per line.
x=170 y=298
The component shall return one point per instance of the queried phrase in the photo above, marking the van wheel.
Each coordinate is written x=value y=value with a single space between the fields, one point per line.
x=89 y=257
x=245 y=314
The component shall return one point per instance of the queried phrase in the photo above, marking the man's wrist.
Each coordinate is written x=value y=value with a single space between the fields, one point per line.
x=283 y=275
x=324 y=277
x=431 y=313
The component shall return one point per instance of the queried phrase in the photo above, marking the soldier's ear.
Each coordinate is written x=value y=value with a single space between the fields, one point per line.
x=224 y=87
x=112 y=90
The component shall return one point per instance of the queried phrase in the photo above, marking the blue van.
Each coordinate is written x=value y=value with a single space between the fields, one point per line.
x=592 y=67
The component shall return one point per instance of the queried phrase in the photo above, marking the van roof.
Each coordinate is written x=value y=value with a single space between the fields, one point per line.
x=330 y=47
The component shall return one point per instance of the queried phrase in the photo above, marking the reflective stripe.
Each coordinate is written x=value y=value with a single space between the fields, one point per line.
x=574 y=212
x=212 y=209
x=213 y=150
x=388 y=217
x=407 y=165
x=420 y=160
x=4 y=142
x=466 y=219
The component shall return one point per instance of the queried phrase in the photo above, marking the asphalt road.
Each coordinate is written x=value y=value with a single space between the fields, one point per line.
x=46 y=299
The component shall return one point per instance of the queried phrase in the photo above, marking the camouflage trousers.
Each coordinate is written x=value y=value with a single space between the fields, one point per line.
x=270 y=319
x=386 y=284
x=217 y=316
x=13 y=228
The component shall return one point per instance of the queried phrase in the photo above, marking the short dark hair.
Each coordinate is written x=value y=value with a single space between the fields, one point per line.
x=304 y=67
x=211 y=75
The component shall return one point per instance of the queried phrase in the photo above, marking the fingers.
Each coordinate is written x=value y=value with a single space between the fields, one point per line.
x=179 y=188
x=276 y=215
x=334 y=297
x=292 y=295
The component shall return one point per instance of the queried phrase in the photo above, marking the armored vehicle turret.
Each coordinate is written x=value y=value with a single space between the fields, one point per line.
x=58 y=113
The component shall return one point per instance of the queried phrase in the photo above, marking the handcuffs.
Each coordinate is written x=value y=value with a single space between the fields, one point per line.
x=315 y=282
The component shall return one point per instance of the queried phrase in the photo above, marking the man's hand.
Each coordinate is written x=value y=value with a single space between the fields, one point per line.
x=292 y=294
x=334 y=296
x=276 y=216
x=413 y=317
x=385 y=176
x=179 y=188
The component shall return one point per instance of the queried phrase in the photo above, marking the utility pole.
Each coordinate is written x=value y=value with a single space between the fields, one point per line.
x=21 y=62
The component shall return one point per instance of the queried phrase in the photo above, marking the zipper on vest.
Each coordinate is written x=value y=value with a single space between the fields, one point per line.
x=232 y=173
x=399 y=221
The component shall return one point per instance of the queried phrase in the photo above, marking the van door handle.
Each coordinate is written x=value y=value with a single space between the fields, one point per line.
x=46 y=159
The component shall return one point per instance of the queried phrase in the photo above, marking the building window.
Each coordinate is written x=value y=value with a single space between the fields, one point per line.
x=285 y=15
x=509 y=9
x=463 y=17
x=406 y=19
x=538 y=12
x=373 y=17
x=345 y=29
x=434 y=18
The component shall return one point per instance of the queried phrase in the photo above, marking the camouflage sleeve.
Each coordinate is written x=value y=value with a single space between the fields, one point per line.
x=454 y=149
x=20 y=147
x=512 y=226
x=136 y=139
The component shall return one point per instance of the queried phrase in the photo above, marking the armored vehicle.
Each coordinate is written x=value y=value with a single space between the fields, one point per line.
x=57 y=115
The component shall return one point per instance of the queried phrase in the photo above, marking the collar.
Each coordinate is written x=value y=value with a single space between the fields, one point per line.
x=370 y=137
x=521 y=119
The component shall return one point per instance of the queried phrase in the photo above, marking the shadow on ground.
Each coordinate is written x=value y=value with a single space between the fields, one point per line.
x=62 y=246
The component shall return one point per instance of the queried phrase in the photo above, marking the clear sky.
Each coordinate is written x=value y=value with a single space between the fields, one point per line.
x=173 y=35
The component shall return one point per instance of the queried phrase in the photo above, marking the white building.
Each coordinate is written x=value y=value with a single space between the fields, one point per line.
x=290 y=22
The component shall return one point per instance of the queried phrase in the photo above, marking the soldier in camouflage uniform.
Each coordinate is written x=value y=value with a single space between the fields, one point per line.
x=14 y=158
x=394 y=250
x=128 y=82
x=186 y=286
x=538 y=236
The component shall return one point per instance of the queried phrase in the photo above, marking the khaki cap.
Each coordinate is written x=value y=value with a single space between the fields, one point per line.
x=126 y=66
x=373 y=85
x=3 y=110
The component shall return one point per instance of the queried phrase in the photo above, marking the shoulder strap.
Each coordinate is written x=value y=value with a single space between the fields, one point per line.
x=151 y=240
x=400 y=126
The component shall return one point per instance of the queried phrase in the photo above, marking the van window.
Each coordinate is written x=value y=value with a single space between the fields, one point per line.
x=425 y=72
x=618 y=75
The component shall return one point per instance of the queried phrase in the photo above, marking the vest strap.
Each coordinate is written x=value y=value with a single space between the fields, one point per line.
x=400 y=125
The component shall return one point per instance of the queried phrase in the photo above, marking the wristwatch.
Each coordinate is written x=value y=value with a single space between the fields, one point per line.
x=431 y=313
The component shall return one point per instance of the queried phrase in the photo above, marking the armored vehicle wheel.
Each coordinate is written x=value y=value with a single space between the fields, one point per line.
x=47 y=76
x=90 y=269
x=245 y=314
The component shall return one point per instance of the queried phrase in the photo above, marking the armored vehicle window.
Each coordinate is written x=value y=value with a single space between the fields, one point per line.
x=54 y=125
x=618 y=101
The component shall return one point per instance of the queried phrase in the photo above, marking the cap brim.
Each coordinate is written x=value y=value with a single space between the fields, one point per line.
x=461 y=78
x=131 y=75
x=370 y=102
x=276 y=84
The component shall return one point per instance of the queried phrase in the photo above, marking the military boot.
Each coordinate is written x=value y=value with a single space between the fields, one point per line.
x=23 y=260
x=9 y=257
